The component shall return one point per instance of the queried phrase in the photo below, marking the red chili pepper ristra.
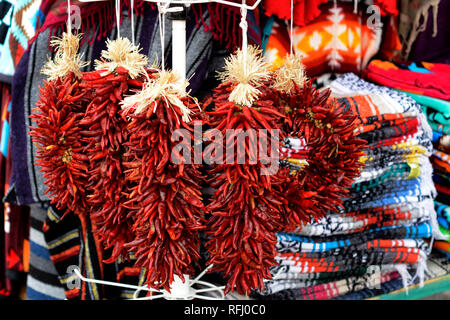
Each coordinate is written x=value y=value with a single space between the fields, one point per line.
x=248 y=207
x=329 y=133
x=164 y=196
x=120 y=70
x=61 y=106
x=59 y=148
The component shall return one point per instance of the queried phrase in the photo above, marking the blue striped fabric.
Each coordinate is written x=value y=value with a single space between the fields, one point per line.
x=42 y=279
x=422 y=230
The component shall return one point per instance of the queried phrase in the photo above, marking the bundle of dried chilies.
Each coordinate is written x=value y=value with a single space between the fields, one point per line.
x=328 y=131
x=121 y=69
x=164 y=188
x=248 y=207
x=57 y=134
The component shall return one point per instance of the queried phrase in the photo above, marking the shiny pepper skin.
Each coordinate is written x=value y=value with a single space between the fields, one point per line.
x=164 y=196
x=333 y=160
x=248 y=208
x=60 y=149
x=105 y=135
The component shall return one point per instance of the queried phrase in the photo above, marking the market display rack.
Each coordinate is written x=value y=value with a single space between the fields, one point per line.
x=180 y=289
x=185 y=290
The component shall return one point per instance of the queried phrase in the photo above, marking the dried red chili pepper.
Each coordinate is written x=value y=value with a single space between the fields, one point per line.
x=248 y=207
x=120 y=70
x=57 y=132
x=164 y=191
x=59 y=147
x=329 y=133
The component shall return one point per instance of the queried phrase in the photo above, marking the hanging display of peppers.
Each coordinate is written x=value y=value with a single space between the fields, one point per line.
x=328 y=132
x=248 y=207
x=57 y=133
x=108 y=142
x=164 y=189
x=121 y=69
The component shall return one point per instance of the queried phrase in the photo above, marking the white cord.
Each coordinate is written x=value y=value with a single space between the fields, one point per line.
x=162 y=9
x=292 y=26
x=244 y=26
x=69 y=18
x=118 y=17
x=132 y=22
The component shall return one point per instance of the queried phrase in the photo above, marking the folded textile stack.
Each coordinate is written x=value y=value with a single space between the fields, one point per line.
x=429 y=85
x=441 y=179
x=378 y=238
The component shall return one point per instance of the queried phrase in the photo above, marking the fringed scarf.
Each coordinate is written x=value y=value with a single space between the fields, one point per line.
x=223 y=23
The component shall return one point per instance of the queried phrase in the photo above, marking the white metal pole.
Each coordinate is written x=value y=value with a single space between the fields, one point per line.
x=178 y=288
x=179 y=47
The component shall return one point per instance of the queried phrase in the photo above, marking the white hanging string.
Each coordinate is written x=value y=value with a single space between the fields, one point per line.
x=244 y=26
x=291 y=27
x=69 y=18
x=162 y=9
x=118 y=17
x=132 y=22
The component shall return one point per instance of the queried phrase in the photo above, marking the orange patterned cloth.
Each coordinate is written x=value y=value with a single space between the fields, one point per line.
x=336 y=41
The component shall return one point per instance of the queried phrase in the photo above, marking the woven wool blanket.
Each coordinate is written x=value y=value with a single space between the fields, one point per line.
x=350 y=84
x=362 y=222
x=330 y=290
x=337 y=260
x=274 y=286
x=286 y=272
x=410 y=126
x=323 y=243
x=331 y=248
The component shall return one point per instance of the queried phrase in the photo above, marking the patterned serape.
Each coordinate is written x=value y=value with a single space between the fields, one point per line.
x=403 y=170
x=337 y=260
x=318 y=243
x=372 y=108
x=289 y=272
x=366 y=293
x=407 y=127
x=337 y=40
x=277 y=285
x=331 y=248
x=42 y=279
x=350 y=84
x=415 y=184
x=333 y=289
x=365 y=220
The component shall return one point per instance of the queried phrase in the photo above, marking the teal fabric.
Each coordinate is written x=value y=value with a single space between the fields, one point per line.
x=439 y=105
x=435 y=116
